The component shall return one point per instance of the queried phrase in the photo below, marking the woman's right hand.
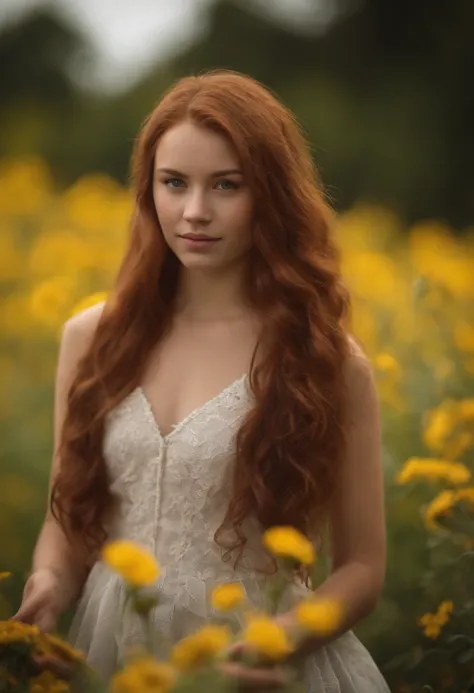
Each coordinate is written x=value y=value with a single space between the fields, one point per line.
x=43 y=600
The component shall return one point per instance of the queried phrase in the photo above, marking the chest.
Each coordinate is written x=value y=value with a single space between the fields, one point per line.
x=192 y=366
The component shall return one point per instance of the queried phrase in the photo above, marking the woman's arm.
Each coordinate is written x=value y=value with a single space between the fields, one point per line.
x=53 y=551
x=357 y=518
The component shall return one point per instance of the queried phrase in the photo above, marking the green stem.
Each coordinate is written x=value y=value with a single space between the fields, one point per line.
x=152 y=635
x=276 y=591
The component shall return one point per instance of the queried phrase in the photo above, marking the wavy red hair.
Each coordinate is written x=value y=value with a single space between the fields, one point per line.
x=290 y=447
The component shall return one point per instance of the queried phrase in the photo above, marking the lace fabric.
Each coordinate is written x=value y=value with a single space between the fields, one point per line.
x=174 y=492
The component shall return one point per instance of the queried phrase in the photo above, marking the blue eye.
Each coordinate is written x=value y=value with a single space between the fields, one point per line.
x=171 y=182
x=228 y=185
x=224 y=185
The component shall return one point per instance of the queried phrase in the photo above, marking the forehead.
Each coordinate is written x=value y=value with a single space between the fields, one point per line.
x=192 y=148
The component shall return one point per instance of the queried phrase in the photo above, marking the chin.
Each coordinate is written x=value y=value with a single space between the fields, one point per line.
x=196 y=261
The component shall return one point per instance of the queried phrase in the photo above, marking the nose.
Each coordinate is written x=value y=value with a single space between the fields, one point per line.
x=196 y=208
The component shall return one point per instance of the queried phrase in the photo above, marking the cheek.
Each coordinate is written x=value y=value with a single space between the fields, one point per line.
x=242 y=221
x=166 y=209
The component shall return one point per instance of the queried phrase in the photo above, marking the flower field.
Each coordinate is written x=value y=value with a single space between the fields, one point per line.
x=254 y=642
x=413 y=293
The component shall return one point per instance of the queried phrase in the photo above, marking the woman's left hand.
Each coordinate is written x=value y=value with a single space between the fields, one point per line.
x=252 y=677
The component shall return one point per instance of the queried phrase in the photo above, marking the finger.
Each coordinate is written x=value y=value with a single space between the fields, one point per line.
x=235 y=650
x=26 y=612
x=271 y=678
x=30 y=607
x=61 y=669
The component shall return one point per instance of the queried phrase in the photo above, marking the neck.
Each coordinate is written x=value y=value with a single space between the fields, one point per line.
x=205 y=296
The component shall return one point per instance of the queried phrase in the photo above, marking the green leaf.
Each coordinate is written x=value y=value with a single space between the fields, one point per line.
x=459 y=639
x=399 y=661
x=466 y=656
x=428 y=659
x=466 y=556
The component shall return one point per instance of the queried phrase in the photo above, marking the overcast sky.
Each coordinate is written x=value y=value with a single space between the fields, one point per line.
x=129 y=35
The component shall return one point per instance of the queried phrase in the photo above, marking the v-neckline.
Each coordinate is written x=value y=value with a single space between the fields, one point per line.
x=198 y=410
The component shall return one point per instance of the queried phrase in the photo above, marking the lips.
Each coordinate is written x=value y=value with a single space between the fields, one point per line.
x=192 y=237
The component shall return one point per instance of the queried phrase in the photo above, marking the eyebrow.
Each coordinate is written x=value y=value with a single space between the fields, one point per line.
x=216 y=174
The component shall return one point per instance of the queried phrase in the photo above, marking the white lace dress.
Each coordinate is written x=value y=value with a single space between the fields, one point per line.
x=175 y=490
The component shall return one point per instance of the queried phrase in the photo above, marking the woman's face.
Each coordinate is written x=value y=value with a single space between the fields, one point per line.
x=203 y=202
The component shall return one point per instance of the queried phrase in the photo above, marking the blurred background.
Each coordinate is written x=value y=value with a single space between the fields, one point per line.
x=384 y=92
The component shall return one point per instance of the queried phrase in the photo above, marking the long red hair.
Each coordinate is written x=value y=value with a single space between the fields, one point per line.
x=290 y=447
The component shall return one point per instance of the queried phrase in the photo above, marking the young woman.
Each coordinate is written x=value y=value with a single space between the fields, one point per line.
x=217 y=393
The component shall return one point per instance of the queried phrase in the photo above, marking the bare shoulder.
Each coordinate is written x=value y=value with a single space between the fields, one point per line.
x=77 y=336
x=358 y=372
x=83 y=325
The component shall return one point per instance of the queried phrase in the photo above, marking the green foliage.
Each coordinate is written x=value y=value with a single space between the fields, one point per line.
x=367 y=89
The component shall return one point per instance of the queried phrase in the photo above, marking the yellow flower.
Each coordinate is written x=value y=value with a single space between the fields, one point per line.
x=26 y=186
x=319 y=616
x=145 y=675
x=445 y=502
x=446 y=607
x=227 y=597
x=433 y=623
x=430 y=244
x=11 y=257
x=463 y=334
x=466 y=409
x=50 y=299
x=96 y=205
x=441 y=505
x=425 y=619
x=15 y=312
x=440 y=423
x=441 y=618
x=287 y=542
x=88 y=301
x=200 y=647
x=4 y=575
x=46 y=682
x=136 y=565
x=433 y=470
x=267 y=637
x=387 y=363
x=16 y=631
x=458 y=445
x=369 y=269
x=61 y=248
x=51 y=644
x=466 y=494
x=432 y=630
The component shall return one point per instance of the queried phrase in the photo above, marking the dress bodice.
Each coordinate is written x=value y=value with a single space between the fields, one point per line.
x=175 y=489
